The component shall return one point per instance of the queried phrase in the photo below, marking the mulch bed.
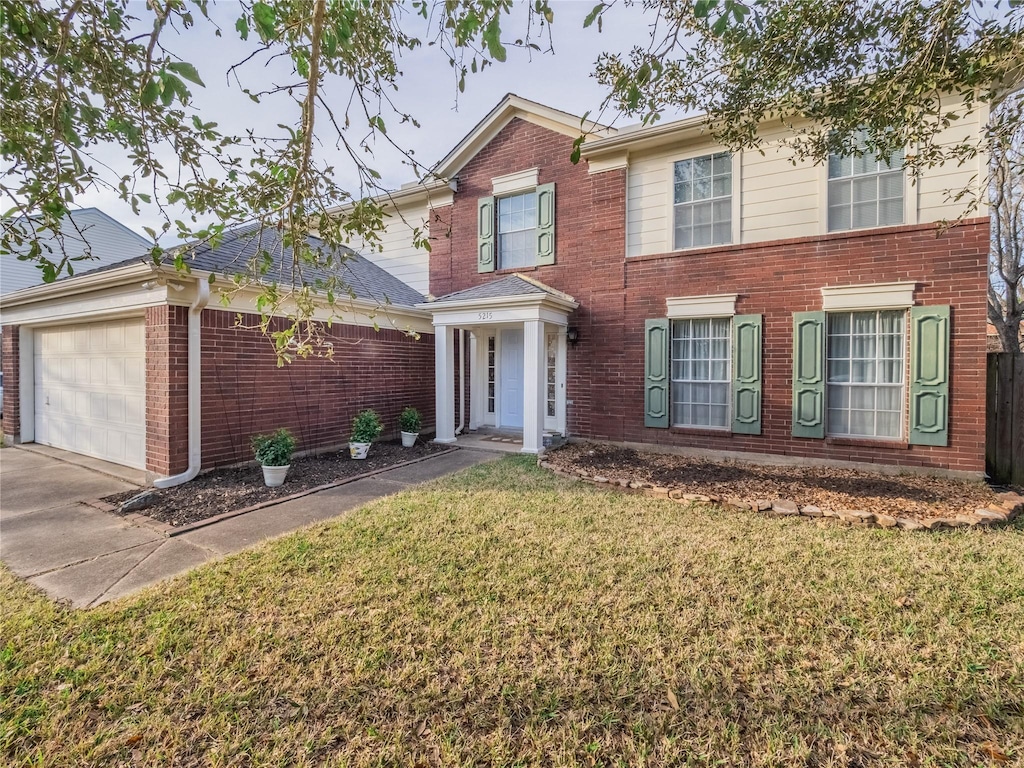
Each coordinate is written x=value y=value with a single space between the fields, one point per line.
x=910 y=495
x=225 y=490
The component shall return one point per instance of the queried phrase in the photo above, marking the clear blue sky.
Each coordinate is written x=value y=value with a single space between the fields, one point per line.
x=427 y=88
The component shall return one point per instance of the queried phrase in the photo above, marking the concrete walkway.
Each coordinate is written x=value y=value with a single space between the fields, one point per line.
x=77 y=553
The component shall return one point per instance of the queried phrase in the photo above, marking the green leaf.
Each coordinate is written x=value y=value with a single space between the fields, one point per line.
x=265 y=18
x=243 y=28
x=187 y=71
x=592 y=16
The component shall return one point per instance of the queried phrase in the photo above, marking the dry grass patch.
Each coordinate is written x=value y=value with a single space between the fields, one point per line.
x=507 y=617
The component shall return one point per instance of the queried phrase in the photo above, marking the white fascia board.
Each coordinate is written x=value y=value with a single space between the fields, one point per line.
x=500 y=315
x=721 y=305
x=520 y=181
x=78 y=284
x=870 y=296
x=523 y=300
x=102 y=303
x=356 y=312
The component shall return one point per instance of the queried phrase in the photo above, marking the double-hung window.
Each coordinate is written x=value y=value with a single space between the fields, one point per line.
x=702 y=201
x=865 y=358
x=517 y=231
x=701 y=372
x=864 y=190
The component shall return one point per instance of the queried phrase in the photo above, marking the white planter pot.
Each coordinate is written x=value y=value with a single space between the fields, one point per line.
x=409 y=439
x=274 y=476
x=358 y=450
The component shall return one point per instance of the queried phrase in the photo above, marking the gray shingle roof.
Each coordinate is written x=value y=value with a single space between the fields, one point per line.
x=512 y=285
x=240 y=246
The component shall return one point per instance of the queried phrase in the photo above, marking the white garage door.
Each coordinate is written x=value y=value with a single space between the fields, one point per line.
x=90 y=390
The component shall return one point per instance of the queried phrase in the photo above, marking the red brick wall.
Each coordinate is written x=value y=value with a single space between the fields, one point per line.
x=12 y=390
x=244 y=392
x=616 y=295
x=166 y=389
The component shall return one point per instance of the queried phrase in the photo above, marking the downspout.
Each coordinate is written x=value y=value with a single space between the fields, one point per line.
x=195 y=447
x=462 y=381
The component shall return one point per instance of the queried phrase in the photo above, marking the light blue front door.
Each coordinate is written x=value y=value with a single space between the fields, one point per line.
x=511 y=378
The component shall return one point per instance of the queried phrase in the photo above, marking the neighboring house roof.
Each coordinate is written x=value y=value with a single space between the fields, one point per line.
x=88 y=230
x=511 y=285
x=240 y=247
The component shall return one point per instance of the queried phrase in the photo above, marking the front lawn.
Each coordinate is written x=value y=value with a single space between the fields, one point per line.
x=507 y=617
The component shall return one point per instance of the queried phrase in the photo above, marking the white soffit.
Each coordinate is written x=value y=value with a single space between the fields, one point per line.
x=873 y=296
x=520 y=181
x=722 y=305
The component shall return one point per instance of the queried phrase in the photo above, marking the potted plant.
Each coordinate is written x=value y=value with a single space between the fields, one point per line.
x=410 y=423
x=366 y=426
x=274 y=453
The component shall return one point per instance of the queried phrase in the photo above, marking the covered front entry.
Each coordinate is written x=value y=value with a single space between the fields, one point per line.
x=517 y=353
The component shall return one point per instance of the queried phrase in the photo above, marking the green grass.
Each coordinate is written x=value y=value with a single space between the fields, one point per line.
x=506 y=617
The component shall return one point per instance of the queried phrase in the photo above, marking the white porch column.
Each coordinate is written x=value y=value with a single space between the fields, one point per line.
x=475 y=388
x=444 y=384
x=534 y=398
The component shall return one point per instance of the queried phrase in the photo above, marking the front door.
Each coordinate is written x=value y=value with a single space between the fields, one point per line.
x=511 y=378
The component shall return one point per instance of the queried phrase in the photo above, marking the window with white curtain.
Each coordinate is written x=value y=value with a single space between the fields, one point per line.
x=865 y=190
x=866 y=390
x=701 y=372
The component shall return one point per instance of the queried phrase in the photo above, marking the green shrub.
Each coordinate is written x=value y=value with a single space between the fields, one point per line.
x=366 y=426
x=274 y=449
x=410 y=421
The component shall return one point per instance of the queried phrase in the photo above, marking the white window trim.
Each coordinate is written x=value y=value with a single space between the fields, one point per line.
x=510 y=183
x=688 y=307
x=911 y=206
x=838 y=298
x=670 y=200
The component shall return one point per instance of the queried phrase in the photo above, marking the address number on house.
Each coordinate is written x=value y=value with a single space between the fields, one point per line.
x=484 y=315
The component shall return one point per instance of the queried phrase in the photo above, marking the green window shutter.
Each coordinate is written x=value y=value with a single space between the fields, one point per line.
x=656 y=373
x=546 y=224
x=808 y=374
x=746 y=378
x=929 y=375
x=485 y=235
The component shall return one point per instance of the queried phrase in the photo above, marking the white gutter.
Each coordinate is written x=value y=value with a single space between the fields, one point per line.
x=195 y=424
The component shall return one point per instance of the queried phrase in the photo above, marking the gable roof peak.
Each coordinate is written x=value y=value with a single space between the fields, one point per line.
x=512 y=106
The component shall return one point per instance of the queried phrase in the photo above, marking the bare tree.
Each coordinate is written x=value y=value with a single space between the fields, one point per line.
x=1006 y=262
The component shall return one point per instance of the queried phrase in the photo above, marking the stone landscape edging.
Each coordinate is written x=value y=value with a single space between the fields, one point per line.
x=1010 y=505
x=170 y=531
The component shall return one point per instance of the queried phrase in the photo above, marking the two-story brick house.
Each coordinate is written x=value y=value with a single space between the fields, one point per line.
x=666 y=291
x=663 y=291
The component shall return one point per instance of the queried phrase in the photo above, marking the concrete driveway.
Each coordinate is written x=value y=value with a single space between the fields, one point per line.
x=77 y=553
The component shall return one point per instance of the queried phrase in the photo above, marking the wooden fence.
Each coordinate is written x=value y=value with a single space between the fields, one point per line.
x=1004 y=418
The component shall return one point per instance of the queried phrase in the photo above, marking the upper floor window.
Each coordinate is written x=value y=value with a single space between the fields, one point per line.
x=864 y=191
x=516 y=225
x=517 y=231
x=702 y=201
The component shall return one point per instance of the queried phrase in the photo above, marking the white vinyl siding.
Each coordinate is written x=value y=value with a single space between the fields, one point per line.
x=866 y=362
x=701 y=372
x=396 y=253
x=517 y=231
x=777 y=197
